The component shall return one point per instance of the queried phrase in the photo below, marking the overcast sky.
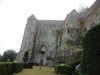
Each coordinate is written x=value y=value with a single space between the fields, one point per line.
x=14 y=14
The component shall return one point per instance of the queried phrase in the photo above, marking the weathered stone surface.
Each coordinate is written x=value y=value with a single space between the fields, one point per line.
x=51 y=35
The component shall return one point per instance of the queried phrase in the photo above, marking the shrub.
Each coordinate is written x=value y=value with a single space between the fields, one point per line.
x=5 y=69
x=91 y=57
x=74 y=64
x=8 y=68
x=17 y=67
x=63 y=69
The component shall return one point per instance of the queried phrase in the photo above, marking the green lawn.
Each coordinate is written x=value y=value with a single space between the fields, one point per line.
x=38 y=71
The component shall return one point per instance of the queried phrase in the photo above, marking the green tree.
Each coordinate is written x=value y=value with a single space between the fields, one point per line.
x=91 y=52
x=9 y=55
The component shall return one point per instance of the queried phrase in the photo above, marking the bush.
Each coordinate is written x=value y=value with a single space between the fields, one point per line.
x=5 y=68
x=74 y=64
x=91 y=57
x=8 y=68
x=17 y=67
x=63 y=69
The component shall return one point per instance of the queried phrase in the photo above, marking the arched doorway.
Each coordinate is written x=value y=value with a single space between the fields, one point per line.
x=43 y=50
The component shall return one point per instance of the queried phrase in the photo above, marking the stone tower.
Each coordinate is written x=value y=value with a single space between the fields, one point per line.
x=28 y=38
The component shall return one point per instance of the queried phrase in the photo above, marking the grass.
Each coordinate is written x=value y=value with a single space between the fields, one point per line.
x=38 y=71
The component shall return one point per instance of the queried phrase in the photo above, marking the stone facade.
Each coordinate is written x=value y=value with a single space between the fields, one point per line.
x=44 y=38
x=91 y=17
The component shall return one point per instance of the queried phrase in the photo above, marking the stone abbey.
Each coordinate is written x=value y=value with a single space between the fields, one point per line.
x=43 y=39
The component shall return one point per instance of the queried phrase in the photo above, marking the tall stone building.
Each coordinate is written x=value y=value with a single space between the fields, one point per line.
x=44 y=38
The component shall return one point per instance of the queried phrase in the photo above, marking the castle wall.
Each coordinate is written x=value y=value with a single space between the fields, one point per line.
x=27 y=42
x=47 y=36
x=93 y=17
x=40 y=33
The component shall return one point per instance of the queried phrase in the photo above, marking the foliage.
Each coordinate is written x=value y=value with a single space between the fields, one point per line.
x=9 y=55
x=63 y=69
x=8 y=68
x=75 y=63
x=17 y=67
x=25 y=58
x=69 y=42
x=4 y=70
x=91 y=56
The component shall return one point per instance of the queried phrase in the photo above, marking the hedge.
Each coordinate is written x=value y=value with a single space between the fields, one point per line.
x=5 y=68
x=17 y=67
x=63 y=69
x=91 y=48
x=8 y=68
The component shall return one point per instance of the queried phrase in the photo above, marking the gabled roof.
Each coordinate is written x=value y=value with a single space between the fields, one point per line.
x=91 y=9
x=73 y=12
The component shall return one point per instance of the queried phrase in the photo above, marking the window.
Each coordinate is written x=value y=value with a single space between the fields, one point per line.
x=43 y=33
x=68 y=31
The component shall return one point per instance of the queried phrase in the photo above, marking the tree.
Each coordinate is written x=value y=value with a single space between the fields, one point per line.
x=9 y=55
x=91 y=52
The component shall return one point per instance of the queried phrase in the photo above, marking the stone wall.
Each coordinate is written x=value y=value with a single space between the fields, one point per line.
x=27 y=42
x=45 y=33
x=91 y=16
